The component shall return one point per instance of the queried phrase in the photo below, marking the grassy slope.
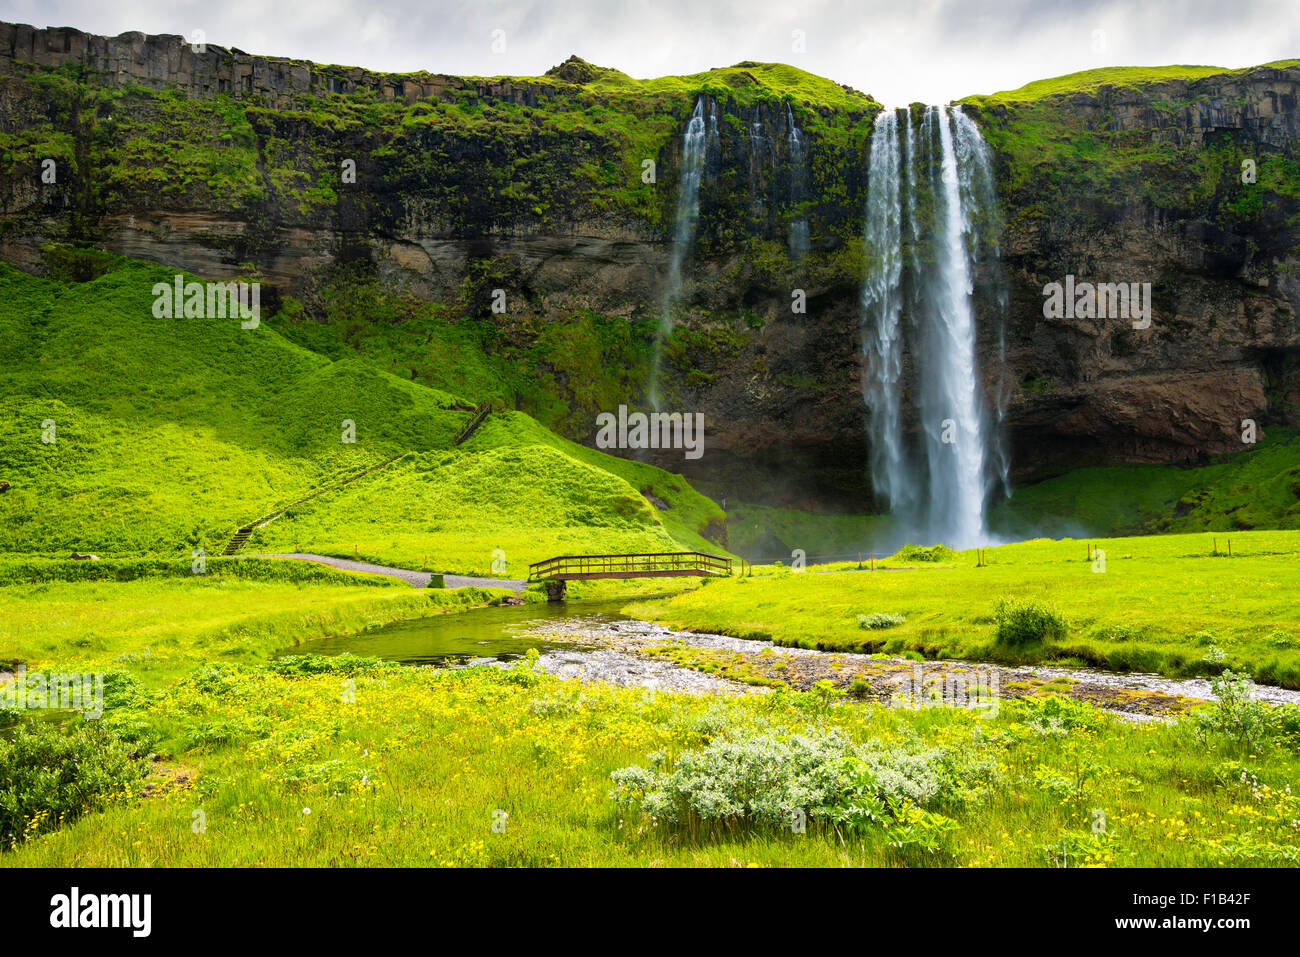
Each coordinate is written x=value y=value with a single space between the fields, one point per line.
x=172 y=432
x=1161 y=604
x=1258 y=488
x=1089 y=81
x=766 y=534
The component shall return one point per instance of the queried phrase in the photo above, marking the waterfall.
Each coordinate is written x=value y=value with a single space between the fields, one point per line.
x=980 y=195
x=882 y=343
x=700 y=131
x=799 y=241
x=931 y=221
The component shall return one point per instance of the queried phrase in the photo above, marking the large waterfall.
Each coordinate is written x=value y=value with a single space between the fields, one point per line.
x=695 y=143
x=932 y=219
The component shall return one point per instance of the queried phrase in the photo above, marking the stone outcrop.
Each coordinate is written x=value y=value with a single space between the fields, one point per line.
x=157 y=61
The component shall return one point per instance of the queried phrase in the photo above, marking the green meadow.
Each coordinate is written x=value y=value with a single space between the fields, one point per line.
x=345 y=761
x=1169 y=604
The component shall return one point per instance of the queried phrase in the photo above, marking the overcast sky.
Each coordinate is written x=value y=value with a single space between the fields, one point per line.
x=929 y=50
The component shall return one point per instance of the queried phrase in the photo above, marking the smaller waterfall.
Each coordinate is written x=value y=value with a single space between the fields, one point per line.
x=799 y=242
x=882 y=340
x=700 y=132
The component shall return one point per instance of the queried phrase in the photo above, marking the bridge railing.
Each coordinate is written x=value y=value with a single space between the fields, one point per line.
x=648 y=565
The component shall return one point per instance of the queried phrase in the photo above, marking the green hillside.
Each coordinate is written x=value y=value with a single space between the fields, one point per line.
x=1254 y=489
x=1122 y=77
x=170 y=433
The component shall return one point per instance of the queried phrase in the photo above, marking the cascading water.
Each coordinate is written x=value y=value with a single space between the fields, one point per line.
x=931 y=218
x=985 y=230
x=700 y=131
x=799 y=241
x=882 y=342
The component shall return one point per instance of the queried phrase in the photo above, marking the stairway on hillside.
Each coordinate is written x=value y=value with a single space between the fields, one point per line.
x=478 y=418
x=240 y=538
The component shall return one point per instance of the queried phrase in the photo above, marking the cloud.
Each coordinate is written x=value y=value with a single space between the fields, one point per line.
x=928 y=50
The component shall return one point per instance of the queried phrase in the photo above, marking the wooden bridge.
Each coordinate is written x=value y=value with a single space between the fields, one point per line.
x=556 y=572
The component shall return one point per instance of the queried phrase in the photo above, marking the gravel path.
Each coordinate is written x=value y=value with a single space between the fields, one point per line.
x=413 y=578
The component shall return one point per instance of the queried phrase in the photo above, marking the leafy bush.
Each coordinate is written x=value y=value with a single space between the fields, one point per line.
x=773 y=779
x=1236 y=716
x=925 y=553
x=1026 y=622
x=347 y=664
x=764 y=778
x=1054 y=714
x=49 y=776
x=880 y=619
x=1124 y=633
x=1282 y=639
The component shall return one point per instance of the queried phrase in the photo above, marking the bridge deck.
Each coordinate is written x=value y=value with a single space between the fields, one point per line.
x=648 y=565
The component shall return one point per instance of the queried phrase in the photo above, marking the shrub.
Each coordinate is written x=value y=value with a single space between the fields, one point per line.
x=1026 y=622
x=765 y=778
x=1282 y=639
x=922 y=553
x=880 y=619
x=1123 y=633
x=1055 y=715
x=347 y=664
x=49 y=776
x=769 y=778
x=1236 y=716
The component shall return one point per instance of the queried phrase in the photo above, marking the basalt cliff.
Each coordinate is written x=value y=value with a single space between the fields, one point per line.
x=525 y=207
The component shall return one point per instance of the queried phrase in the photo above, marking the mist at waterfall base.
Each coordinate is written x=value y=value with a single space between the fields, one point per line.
x=934 y=434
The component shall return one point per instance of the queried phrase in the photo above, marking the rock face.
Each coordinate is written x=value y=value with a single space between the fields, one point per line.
x=167 y=61
x=222 y=163
x=1166 y=202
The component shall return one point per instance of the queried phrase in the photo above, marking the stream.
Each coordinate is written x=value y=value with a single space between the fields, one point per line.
x=594 y=641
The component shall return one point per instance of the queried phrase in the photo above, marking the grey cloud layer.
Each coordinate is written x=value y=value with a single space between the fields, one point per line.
x=933 y=50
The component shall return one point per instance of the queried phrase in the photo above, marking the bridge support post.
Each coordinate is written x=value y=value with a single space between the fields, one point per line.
x=555 y=589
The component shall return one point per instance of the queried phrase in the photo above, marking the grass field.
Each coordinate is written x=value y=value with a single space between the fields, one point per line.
x=158 y=628
x=1165 y=604
x=273 y=766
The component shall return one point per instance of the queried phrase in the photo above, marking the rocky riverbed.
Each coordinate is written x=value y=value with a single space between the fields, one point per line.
x=629 y=652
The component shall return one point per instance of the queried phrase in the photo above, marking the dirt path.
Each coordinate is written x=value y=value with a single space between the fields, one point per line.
x=413 y=578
